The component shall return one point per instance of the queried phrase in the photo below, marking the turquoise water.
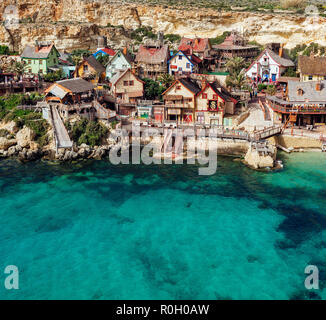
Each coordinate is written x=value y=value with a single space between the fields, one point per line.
x=98 y=231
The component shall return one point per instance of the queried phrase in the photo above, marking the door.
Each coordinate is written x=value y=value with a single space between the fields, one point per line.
x=187 y=117
x=273 y=77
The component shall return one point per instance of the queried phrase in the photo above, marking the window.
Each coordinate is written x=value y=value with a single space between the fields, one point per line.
x=324 y=77
x=215 y=97
x=188 y=65
x=180 y=57
x=309 y=77
x=85 y=67
x=125 y=83
x=179 y=87
x=204 y=95
x=29 y=61
x=131 y=83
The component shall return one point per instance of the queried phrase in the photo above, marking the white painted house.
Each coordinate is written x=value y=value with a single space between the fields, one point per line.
x=269 y=66
x=120 y=61
x=181 y=63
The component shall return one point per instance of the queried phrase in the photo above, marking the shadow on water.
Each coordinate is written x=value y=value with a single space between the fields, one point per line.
x=231 y=180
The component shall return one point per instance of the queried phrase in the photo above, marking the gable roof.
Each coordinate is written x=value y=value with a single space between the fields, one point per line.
x=42 y=53
x=187 y=83
x=219 y=90
x=76 y=85
x=120 y=74
x=126 y=56
x=312 y=65
x=309 y=91
x=107 y=51
x=192 y=58
x=97 y=66
x=280 y=60
x=197 y=44
x=152 y=55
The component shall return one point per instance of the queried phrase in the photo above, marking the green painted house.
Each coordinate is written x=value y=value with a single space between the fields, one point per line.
x=40 y=58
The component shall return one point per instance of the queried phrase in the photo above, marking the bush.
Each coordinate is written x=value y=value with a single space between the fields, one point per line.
x=152 y=89
x=4 y=50
x=172 y=37
x=261 y=86
x=90 y=132
x=219 y=39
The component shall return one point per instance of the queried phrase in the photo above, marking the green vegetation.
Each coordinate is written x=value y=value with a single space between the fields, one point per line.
x=54 y=76
x=219 y=39
x=4 y=50
x=152 y=89
x=262 y=86
x=174 y=38
x=10 y=112
x=90 y=132
x=166 y=80
x=290 y=72
x=140 y=33
x=306 y=50
x=236 y=77
x=271 y=90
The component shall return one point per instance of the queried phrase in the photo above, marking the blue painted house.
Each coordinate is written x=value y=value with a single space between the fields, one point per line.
x=182 y=63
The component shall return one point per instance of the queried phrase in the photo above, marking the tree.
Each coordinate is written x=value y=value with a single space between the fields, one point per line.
x=235 y=65
x=17 y=68
x=103 y=59
x=236 y=80
x=166 y=80
x=271 y=90
x=152 y=89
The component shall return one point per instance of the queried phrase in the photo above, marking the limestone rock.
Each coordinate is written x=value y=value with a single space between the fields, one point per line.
x=6 y=143
x=10 y=126
x=24 y=137
x=259 y=161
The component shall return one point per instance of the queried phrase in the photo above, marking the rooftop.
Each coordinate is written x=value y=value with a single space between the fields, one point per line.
x=312 y=65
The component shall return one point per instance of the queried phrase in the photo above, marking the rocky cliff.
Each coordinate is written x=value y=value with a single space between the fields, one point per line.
x=75 y=24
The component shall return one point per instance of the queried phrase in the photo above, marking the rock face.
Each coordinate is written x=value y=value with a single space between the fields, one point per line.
x=6 y=143
x=258 y=160
x=24 y=137
x=74 y=24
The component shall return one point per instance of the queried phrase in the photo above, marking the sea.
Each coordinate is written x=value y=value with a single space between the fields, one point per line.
x=94 y=230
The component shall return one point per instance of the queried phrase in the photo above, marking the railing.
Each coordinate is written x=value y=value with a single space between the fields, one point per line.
x=179 y=105
x=303 y=110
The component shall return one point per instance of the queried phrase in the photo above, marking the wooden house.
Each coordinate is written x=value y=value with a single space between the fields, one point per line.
x=40 y=57
x=269 y=66
x=119 y=62
x=90 y=69
x=305 y=102
x=199 y=46
x=212 y=103
x=312 y=68
x=127 y=88
x=183 y=64
x=151 y=60
x=180 y=101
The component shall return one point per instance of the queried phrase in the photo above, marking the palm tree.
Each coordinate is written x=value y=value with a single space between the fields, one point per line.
x=235 y=65
x=17 y=68
x=166 y=80
x=236 y=80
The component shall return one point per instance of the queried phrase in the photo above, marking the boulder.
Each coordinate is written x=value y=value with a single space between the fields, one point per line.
x=10 y=126
x=259 y=161
x=6 y=143
x=24 y=137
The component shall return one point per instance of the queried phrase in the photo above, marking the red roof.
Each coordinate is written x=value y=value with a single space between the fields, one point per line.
x=152 y=55
x=197 y=44
x=109 y=51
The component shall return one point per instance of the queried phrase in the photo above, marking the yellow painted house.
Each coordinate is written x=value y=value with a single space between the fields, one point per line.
x=312 y=68
x=90 y=69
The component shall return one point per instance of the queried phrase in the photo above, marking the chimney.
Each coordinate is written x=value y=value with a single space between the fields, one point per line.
x=124 y=51
x=280 y=50
x=203 y=83
x=37 y=46
x=318 y=86
x=196 y=42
